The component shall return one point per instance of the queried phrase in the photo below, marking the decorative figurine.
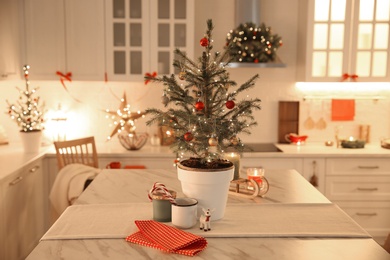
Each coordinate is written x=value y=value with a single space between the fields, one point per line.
x=204 y=220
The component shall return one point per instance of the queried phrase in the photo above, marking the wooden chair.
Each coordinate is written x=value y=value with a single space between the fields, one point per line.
x=81 y=151
x=386 y=246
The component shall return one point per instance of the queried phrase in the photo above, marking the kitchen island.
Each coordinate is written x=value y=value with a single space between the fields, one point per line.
x=131 y=187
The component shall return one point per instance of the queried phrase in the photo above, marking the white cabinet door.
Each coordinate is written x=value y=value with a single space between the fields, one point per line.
x=44 y=38
x=84 y=30
x=344 y=40
x=24 y=209
x=65 y=36
x=142 y=35
x=315 y=167
x=9 y=40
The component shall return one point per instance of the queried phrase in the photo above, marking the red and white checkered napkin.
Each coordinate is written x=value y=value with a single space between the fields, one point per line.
x=166 y=238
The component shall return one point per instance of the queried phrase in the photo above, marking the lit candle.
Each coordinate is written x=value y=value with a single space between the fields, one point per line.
x=235 y=159
x=255 y=174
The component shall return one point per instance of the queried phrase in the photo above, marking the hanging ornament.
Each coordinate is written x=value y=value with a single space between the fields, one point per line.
x=188 y=136
x=234 y=140
x=213 y=141
x=204 y=42
x=164 y=99
x=182 y=75
x=199 y=105
x=230 y=104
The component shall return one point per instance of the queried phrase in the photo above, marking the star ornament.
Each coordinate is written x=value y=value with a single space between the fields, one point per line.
x=123 y=118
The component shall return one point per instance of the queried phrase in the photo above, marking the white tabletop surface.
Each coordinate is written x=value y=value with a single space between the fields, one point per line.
x=128 y=186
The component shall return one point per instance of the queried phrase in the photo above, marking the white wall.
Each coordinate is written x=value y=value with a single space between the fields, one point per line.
x=275 y=84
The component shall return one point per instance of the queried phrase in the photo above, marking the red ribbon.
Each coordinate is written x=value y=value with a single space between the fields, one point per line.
x=68 y=77
x=153 y=75
x=346 y=76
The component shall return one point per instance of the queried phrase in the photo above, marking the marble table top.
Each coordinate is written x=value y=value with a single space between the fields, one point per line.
x=131 y=186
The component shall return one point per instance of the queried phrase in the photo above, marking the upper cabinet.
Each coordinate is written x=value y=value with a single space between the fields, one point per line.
x=65 y=36
x=142 y=35
x=344 y=40
x=9 y=39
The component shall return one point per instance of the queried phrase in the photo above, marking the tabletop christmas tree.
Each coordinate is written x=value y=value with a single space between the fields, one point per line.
x=27 y=111
x=203 y=111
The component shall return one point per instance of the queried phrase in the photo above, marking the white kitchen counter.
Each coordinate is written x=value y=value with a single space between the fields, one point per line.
x=13 y=158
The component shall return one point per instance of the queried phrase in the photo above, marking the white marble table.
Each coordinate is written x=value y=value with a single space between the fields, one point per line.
x=131 y=186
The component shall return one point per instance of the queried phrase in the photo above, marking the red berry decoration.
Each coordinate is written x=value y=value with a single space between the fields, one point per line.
x=199 y=105
x=188 y=136
x=230 y=104
x=204 y=42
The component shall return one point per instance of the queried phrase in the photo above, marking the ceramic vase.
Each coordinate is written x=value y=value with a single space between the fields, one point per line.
x=31 y=141
x=209 y=186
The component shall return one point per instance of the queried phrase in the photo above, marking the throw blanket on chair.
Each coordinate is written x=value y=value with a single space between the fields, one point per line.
x=69 y=184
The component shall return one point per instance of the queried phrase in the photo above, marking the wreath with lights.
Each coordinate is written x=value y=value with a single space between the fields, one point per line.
x=251 y=43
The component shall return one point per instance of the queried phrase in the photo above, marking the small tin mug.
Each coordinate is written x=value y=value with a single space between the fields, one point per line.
x=162 y=211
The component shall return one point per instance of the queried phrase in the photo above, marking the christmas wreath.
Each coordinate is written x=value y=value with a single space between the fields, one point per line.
x=250 y=43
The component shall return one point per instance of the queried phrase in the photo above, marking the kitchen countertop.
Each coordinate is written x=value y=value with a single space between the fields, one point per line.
x=12 y=157
x=130 y=186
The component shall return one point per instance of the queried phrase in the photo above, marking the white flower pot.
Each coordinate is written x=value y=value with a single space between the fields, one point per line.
x=31 y=141
x=209 y=186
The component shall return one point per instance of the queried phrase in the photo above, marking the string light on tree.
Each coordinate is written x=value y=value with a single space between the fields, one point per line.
x=27 y=111
x=205 y=106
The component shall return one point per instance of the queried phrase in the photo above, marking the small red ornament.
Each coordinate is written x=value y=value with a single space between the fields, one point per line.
x=230 y=104
x=188 y=136
x=199 y=105
x=204 y=42
x=256 y=60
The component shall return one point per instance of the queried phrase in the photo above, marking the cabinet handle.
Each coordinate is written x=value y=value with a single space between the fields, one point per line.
x=368 y=167
x=16 y=181
x=367 y=189
x=366 y=214
x=34 y=169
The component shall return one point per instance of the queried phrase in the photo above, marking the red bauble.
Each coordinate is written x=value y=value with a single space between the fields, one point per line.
x=256 y=60
x=199 y=105
x=230 y=104
x=188 y=136
x=204 y=42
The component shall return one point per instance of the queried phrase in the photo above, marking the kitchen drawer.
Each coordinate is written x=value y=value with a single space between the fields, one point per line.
x=361 y=166
x=372 y=216
x=365 y=188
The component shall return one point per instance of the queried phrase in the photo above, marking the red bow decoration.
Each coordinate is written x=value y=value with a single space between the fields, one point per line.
x=347 y=76
x=153 y=75
x=68 y=77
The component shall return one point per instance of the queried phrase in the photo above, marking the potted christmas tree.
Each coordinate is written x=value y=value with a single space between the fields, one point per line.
x=28 y=113
x=206 y=118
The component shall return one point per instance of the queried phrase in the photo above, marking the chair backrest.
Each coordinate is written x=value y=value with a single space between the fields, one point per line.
x=81 y=151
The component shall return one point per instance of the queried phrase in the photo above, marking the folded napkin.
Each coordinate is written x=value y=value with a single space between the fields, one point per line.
x=166 y=238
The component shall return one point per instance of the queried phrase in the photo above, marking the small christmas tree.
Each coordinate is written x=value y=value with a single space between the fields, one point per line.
x=207 y=116
x=27 y=112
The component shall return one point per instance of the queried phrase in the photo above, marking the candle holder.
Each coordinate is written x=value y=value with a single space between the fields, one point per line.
x=235 y=159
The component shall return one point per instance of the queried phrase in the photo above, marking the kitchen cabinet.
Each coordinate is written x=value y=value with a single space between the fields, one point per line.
x=65 y=36
x=142 y=35
x=361 y=187
x=23 y=206
x=315 y=166
x=9 y=40
x=344 y=40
